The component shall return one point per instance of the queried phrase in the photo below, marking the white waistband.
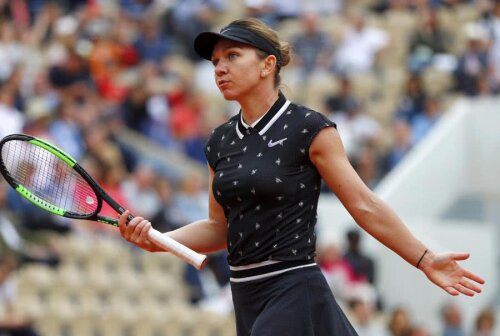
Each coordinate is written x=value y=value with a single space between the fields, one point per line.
x=265 y=275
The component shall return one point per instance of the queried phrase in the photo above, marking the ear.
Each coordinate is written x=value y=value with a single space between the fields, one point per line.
x=268 y=65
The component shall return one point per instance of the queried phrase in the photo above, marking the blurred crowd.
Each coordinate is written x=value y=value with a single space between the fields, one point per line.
x=82 y=73
x=351 y=274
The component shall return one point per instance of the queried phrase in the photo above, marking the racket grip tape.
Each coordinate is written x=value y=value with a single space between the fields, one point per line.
x=185 y=253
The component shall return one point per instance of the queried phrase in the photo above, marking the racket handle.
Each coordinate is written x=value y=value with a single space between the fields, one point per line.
x=176 y=248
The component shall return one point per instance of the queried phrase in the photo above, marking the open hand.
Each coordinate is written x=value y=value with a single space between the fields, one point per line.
x=444 y=270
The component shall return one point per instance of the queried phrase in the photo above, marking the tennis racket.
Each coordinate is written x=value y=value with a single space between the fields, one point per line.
x=55 y=182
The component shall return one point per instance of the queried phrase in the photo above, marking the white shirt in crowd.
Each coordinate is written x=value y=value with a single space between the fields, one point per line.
x=358 y=49
x=12 y=120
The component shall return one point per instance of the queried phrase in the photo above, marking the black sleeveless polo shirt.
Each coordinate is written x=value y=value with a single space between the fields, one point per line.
x=266 y=183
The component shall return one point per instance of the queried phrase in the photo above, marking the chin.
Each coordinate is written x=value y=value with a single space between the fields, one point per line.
x=228 y=95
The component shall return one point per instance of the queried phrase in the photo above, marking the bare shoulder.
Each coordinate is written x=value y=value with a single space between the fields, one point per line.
x=326 y=142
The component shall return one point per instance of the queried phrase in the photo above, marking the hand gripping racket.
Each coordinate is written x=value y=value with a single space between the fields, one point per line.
x=55 y=182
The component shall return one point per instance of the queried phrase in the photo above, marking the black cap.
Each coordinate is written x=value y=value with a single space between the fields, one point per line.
x=205 y=42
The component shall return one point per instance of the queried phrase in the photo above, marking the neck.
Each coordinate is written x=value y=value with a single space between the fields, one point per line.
x=257 y=104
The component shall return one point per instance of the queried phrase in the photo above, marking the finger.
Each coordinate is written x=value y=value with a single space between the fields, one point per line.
x=474 y=277
x=451 y=291
x=460 y=256
x=472 y=286
x=145 y=230
x=122 y=222
x=130 y=228
x=464 y=290
x=138 y=224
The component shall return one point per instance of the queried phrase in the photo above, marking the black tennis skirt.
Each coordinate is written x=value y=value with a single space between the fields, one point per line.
x=295 y=303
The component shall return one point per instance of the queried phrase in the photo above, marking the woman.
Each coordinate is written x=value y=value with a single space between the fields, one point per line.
x=265 y=166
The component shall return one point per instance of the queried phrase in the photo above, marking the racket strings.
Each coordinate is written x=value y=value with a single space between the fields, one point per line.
x=48 y=177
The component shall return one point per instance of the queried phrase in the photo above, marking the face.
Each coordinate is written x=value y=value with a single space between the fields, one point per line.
x=238 y=69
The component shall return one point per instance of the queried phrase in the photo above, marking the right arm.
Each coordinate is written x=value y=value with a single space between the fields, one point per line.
x=203 y=236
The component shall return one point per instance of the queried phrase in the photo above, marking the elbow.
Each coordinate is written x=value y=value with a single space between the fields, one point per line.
x=366 y=210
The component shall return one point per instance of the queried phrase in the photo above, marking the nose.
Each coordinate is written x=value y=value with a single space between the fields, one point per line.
x=220 y=68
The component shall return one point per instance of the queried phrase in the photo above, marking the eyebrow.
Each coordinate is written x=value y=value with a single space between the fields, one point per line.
x=226 y=49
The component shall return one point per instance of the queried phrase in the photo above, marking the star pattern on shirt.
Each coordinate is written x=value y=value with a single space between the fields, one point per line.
x=247 y=177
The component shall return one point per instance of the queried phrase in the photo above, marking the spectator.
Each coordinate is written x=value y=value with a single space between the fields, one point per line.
x=14 y=86
x=452 y=320
x=362 y=265
x=412 y=101
x=156 y=120
x=139 y=188
x=360 y=47
x=363 y=283
x=338 y=272
x=151 y=44
x=473 y=63
x=401 y=145
x=13 y=239
x=65 y=131
x=190 y=205
x=425 y=121
x=194 y=146
x=356 y=128
x=399 y=322
x=419 y=331
x=392 y=6
x=313 y=47
x=428 y=41
x=365 y=320
x=107 y=160
x=260 y=9
x=491 y=25
x=99 y=144
x=134 y=109
x=191 y=17
x=186 y=113
x=485 y=323
x=31 y=217
x=106 y=59
x=189 y=202
x=38 y=116
x=163 y=220
x=72 y=76
x=340 y=102
x=10 y=50
x=40 y=86
x=136 y=9
x=12 y=119
x=11 y=322
x=273 y=12
x=325 y=8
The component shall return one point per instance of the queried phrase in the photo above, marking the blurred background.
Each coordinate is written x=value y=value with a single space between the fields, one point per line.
x=412 y=84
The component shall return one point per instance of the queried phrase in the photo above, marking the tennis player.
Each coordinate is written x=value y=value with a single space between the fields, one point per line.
x=265 y=166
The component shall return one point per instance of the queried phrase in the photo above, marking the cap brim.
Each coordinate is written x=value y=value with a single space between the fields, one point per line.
x=205 y=42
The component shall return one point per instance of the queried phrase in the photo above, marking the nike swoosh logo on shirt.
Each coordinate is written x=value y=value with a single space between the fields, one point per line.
x=279 y=142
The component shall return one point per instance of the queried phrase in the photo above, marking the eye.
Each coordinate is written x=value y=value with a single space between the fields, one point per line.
x=232 y=56
x=215 y=61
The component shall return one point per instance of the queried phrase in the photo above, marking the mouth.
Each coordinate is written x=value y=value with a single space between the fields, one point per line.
x=222 y=83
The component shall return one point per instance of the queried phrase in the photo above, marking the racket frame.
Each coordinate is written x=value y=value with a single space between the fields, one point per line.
x=26 y=193
x=167 y=243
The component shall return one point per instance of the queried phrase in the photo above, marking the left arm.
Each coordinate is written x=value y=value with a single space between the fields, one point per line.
x=381 y=222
